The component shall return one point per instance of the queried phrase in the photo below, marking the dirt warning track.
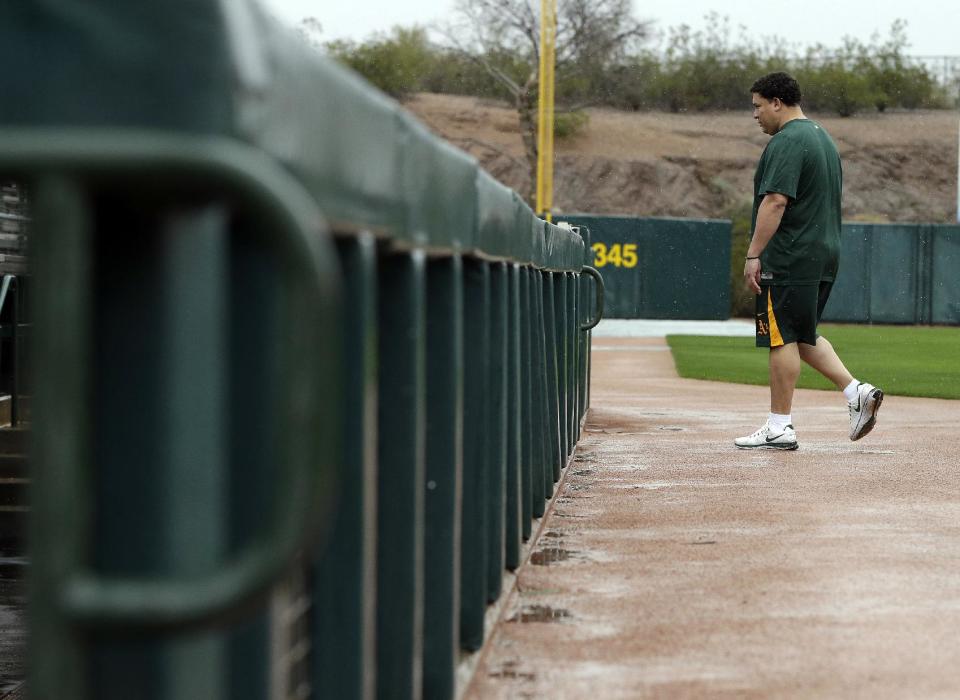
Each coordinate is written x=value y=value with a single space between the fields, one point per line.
x=674 y=565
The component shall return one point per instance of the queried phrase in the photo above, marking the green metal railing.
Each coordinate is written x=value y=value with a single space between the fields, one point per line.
x=225 y=392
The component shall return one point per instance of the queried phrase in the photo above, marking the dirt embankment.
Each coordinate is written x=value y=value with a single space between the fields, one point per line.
x=897 y=167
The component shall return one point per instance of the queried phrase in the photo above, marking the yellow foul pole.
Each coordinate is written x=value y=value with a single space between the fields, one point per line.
x=548 y=46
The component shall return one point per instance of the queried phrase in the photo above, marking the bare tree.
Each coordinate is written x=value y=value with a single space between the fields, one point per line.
x=311 y=30
x=504 y=37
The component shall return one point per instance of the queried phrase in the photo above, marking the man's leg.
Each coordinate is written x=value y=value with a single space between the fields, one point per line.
x=784 y=372
x=823 y=358
x=863 y=399
x=778 y=433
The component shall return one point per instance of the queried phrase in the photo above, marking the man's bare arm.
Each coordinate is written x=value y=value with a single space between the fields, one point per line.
x=769 y=217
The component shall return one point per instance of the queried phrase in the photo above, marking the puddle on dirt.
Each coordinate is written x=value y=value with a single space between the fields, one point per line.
x=584 y=472
x=549 y=555
x=539 y=613
x=13 y=633
x=672 y=428
x=553 y=534
x=510 y=671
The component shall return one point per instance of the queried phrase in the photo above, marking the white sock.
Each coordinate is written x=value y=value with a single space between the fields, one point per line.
x=850 y=393
x=779 y=421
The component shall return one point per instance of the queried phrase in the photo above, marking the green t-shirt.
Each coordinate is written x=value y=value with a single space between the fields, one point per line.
x=801 y=161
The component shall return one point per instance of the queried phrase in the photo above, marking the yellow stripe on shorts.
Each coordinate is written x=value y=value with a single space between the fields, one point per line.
x=776 y=340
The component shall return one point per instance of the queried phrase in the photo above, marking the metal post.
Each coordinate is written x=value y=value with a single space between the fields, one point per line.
x=162 y=304
x=401 y=472
x=15 y=354
x=547 y=415
x=571 y=335
x=60 y=528
x=545 y=112
x=572 y=364
x=526 y=387
x=444 y=486
x=553 y=379
x=563 y=322
x=537 y=397
x=515 y=435
x=473 y=555
x=497 y=467
x=344 y=573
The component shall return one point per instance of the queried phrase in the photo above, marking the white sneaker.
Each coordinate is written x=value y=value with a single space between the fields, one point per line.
x=863 y=411
x=769 y=439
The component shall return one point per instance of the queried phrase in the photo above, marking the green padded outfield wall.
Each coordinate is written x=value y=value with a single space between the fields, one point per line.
x=661 y=267
x=897 y=273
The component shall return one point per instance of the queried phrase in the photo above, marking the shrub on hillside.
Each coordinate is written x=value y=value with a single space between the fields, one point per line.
x=898 y=83
x=833 y=87
x=569 y=124
x=455 y=73
x=395 y=63
x=699 y=70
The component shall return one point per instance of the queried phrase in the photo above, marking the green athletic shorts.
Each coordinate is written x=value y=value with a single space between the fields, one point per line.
x=790 y=314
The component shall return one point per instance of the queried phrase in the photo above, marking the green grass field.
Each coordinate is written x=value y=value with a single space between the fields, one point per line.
x=903 y=360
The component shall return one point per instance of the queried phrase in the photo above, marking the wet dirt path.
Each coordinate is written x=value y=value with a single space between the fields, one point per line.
x=674 y=565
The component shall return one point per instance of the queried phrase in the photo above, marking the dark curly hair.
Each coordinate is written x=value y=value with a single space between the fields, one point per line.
x=779 y=85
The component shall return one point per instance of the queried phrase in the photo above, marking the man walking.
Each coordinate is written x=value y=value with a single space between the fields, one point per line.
x=792 y=260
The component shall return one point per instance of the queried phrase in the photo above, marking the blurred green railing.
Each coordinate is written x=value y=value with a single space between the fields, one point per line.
x=273 y=457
